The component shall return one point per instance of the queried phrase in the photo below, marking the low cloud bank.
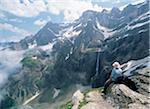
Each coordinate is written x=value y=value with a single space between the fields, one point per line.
x=9 y=62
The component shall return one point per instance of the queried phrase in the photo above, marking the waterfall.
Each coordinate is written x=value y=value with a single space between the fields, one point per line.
x=97 y=67
x=97 y=64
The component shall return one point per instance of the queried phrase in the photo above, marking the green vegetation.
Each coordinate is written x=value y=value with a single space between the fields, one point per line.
x=40 y=82
x=7 y=103
x=68 y=105
x=50 y=67
x=84 y=102
x=100 y=89
x=31 y=63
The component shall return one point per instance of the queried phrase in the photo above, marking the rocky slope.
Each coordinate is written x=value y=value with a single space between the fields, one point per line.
x=62 y=55
x=119 y=96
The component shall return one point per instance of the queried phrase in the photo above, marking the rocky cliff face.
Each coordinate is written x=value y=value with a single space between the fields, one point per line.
x=119 y=96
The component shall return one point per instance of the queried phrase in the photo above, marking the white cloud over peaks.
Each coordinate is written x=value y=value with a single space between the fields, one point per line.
x=72 y=8
x=40 y=22
x=14 y=29
x=19 y=33
x=26 y=8
x=10 y=60
x=2 y=15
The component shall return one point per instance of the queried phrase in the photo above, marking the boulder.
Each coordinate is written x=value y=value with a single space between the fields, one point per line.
x=95 y=100
x=141 y=79
x=123 y=97
x=77 y=98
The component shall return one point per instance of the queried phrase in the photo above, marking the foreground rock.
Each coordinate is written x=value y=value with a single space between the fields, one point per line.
x=76 y=99
x=133 y=95
x=90 y=100
x=123 y=97
x=141 y=79
x=96 y=101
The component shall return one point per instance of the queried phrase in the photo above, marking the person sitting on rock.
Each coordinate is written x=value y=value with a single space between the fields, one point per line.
x=118 y=77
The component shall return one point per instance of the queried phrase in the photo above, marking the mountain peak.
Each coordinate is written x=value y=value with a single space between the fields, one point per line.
x=115 y=12
x=115 y=9
x=88 y=14
x=105 y=11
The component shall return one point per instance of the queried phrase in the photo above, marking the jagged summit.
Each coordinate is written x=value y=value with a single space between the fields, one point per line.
x=105 y=19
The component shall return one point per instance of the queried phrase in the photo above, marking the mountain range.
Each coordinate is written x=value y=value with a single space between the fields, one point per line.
x=60 y=56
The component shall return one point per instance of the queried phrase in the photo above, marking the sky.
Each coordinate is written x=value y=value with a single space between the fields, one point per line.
x=20 y=18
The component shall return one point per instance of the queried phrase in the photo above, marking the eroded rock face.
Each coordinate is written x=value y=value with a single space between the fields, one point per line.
x=123 y=97
x=95 y=100
x=119 y=96
x=142 y=80
x=90 y=100
x=77 y=98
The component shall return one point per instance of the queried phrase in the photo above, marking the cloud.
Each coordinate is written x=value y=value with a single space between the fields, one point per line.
x=26 y=8
x=16 y=20
x=106 y=0
x=40 y=22
x=2 y=15
x=73 y=10
x=19 y=33
x=11 y=38
x=14 y=29
x=9 y=62
x=3 y=78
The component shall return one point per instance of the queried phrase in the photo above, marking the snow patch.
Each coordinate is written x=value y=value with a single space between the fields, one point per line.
x=141 y=31
x=137 y=25
x=34 y=57
x=69 y=32
x=67 y=57
x=133 y=64
x=56 y=93
x=9 y=62
x=71 y=50
x=142 y=17
x=32 y=98
x=31 y=46
x=47 y=47
x=79 y=25
x=126 y=35
x=57 y=35
x=105 y=31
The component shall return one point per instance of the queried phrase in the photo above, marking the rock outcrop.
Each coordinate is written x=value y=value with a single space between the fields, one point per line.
x=123 y=97
x=96 y=101
x=77 y=98
x=141 y=79
x=90 y=100
x=119 y=96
